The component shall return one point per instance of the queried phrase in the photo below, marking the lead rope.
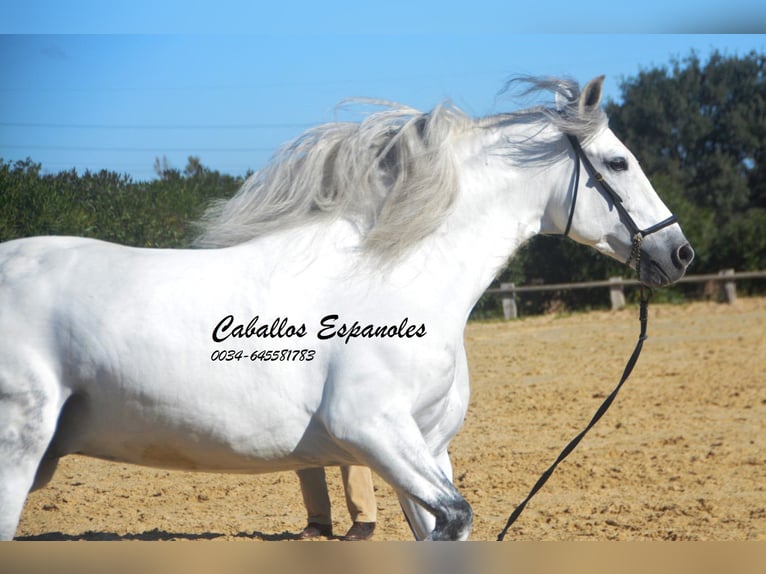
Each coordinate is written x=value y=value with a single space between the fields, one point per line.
x=643 y=314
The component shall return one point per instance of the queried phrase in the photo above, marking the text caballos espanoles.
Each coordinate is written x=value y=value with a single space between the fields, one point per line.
x=329 y=327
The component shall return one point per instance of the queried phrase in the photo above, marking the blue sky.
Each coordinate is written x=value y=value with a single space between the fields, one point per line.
x=229 y=85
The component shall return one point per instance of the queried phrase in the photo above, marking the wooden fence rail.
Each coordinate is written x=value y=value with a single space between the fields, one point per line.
x=725 y=281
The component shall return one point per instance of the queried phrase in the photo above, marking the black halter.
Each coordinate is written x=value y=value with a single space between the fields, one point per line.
x=636 y=232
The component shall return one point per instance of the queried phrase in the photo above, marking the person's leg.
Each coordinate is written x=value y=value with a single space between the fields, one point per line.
x=360 y=493
x=317 y=502
x=360 y=501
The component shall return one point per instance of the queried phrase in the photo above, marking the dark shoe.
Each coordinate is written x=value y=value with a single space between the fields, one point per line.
x=315 y=530
x=360 y=531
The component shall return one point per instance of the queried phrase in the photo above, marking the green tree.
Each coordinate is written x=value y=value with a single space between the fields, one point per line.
x=107 y=205
x=699 y=130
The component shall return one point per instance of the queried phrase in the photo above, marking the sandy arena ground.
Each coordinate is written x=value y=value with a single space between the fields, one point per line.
x=681 y=455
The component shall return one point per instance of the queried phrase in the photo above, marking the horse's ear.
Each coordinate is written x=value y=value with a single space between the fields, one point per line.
x=591 y=94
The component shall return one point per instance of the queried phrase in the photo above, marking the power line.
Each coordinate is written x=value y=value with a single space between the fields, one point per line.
x=138 y=149
x=258 y=126
x=147 y=166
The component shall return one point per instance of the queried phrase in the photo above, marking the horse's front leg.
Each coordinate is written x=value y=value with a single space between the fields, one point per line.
x=420 y=520
x=393 y=446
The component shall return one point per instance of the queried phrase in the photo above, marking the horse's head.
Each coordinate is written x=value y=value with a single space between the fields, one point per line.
x=615 y=209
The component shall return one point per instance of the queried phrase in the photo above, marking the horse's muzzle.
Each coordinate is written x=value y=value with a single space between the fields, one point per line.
x=661 y=267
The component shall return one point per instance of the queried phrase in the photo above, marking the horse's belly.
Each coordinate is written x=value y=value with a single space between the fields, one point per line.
x=206 y=421
x=178 y=454
x=153 y=437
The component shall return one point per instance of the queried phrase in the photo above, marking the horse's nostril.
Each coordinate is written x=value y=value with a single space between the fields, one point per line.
x=683 y=256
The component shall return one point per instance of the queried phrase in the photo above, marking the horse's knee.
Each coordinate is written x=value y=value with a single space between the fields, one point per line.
x=454 y=522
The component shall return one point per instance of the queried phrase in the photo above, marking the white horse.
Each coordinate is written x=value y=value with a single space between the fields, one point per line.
x=322 y=323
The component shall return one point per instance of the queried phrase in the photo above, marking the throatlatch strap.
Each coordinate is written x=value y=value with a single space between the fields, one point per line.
x=643 y=318
x=573 y=203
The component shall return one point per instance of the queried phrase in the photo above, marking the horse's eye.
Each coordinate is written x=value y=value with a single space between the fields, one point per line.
x=617 y=164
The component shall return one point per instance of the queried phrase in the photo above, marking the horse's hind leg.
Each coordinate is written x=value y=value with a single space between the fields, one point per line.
x=28 y=415
x=395 y=449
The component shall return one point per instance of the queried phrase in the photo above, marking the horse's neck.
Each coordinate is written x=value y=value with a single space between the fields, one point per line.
x=500 y=207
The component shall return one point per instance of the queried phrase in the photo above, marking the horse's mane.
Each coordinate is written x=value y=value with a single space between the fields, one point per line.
x=392 y=175
x=566 y=113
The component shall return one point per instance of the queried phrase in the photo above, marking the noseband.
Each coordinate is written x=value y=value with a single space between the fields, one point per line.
x=636 y=232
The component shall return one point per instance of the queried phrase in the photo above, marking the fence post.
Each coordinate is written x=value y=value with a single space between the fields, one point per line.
x=509 y=303
x=729 y=287
x=616 y=294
